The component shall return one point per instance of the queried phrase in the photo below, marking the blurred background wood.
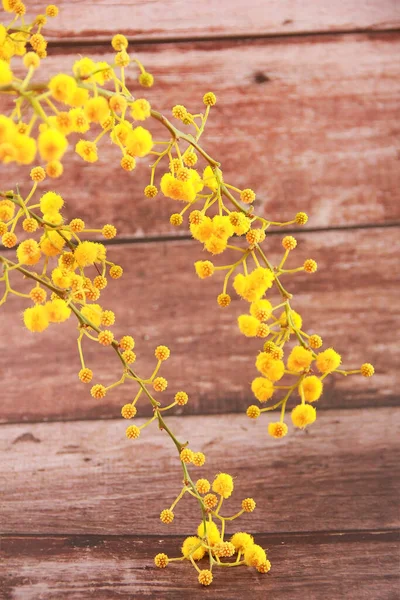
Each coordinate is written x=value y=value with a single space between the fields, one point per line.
x=308 y=116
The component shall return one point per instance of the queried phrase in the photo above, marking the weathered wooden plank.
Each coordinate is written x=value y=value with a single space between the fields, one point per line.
x=310 y=124
x=86 y=477
x=313 y=566
x=172 y=20
x=351 y=301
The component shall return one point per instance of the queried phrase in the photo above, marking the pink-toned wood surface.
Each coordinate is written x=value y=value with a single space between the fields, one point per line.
x=174 y=19
x=310 y=121
x=358 y=565
x=85 y=477
x=320 y=135
x=351 y=301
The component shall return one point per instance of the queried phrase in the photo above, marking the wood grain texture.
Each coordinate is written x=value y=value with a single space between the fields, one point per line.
x=144 y=19
x=351 y=301
x=309 y=124
x=87 y=478
x=335 y=565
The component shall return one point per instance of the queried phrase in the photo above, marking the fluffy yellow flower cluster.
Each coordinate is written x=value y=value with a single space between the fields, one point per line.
x=75 y=270
x=210 y=535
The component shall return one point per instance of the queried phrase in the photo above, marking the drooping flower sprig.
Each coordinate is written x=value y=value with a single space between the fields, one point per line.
x=74 y=285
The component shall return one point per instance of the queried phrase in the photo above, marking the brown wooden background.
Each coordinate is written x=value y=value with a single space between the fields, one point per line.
x=308 y=115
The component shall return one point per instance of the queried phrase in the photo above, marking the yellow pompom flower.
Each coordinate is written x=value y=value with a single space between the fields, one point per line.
x=51 y=202
x=209 y=179
x=192 y=547
x=167 y=516
x=150 y=191
x=128 y=411
x=51 y=243
x=367 y=370
x=203 y=486
x=96 y=109
x=247 y=196
x=215 y=245
x=261 y=309
x=51 y=10
x=264 y=567
x=252 y=287
x=7 y=210
x=268 y=366
x=28 y=252
x=146 y=79
x=181 y=398
x=203 y=231
x=253 y=412
x=209 y=99
x=328 y=361
x=204 y=268
x=57 y=310
x=211 y=532
x=162 y=353
x=299 y=359
x=278 y=429
x=177 y=189
x=223 y=485
x=160 y=384
x=132 y=432
x=54 y=169
x=223 y=300
x=315 y=341
x=262 y=388
x=140 y=109
x=86 y=253
x=242 y=540
x=296 y=320
x=254 y=555
x=127 y=343
x=38 y=295
x=119 y=42
x=248 y=325
x=105 y=337
x=62 y=87
x=139 y=142
x=52 y=145
x=87 y=150
x=161 y=560
x=248 y=505
x=210 y=501
x=186 y=456
x=85 y=375
x=198 y=459
x=35 y=318
x=9 y=239
x=98 y=391
x=312 y=388
x=303 y=415
x=61 y=278
x=93 y=313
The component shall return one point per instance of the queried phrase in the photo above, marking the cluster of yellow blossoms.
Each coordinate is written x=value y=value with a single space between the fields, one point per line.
x=74 y=271
x=210 y=535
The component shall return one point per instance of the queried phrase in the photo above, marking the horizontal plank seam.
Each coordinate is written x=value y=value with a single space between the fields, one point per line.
x=126 y=536
x=188 y=238
x=87 y=42
x=393 y=404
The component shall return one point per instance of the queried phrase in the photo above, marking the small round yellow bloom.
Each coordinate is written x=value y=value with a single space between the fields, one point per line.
x=181 y=398
x=28 y=252
x=116 y=272
x=262 y=388
x=296 y=320
x=128 y=411
x=176 y=219
x=150 y=191
x=310 y=266
x=105 y=337
x=85 y=375
x=224 y=300
x=98 y=391
x=160 y=384
x=204 y=268
x=203 y=486
x=277 y=430
x=247 y=196
x=38 y=174
x=36 y=319
x=254 y=555
x=54 y=169
x=132 y=432
x=205 y=577
x=167 y=516
x=328 y=361
x=209 y=99
x=289 y=242
x=51 y=202
x=162 y=353
x=193 y=547
x=51 y=10
x=223 y=485
x=268 y=366
x=211 y=532
x=242 y=540
x=127 y=343
x=264 y=567
x=38 y=295
x=87 y=150
x=248 y=504
x=315 y=341
x=303 y=415
x=9 y=239
x=210 y=501
x=186 y=455
x=119 y=42
x=253 y=412
x=312 y=388
x=179 y=112
x=31 y=60
x=301 y=218
x=161 y=560
x=299 y=359
x=261 y=309
x=128 y=163
x=61 y=86
x=146 y=79
x=86 y=253
x=129 y=357
x=198 y=459
x=140 y=109
x=139 y=142
x=224 y=549
x=248 y=325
